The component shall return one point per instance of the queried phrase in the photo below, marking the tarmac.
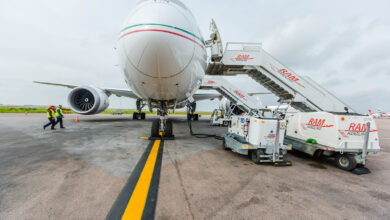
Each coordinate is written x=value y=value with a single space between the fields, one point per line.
x=78 y=173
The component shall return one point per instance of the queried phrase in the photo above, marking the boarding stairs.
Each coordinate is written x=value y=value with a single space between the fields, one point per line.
x=300 y=92
x=237 y=97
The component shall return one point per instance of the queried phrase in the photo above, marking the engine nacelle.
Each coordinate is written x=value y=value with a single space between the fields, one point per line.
x=88 y=100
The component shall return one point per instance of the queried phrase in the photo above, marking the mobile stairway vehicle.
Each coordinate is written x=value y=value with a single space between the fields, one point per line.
x=325 y=126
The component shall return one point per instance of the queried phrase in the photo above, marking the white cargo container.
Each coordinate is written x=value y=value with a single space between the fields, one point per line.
x=260 y=138
x=348 y=137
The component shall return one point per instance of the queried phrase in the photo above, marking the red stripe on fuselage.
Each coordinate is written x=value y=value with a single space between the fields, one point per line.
x=164 y=31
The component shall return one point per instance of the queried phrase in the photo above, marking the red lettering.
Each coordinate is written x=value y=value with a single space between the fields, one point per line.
x=295 y=79
x=284 y=71
x=310 y=122
x=364 y=128
x=321 y=123
x=358 y=127
x=352 y=127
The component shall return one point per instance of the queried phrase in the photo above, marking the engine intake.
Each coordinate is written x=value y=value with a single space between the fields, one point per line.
x=88 y=100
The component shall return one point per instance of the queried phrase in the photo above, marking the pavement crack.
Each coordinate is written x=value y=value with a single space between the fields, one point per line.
x=176 y=165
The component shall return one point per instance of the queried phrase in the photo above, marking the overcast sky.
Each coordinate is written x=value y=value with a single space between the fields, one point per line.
x=342 y=45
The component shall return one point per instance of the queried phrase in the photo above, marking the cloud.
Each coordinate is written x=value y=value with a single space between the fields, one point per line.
x=342 y=45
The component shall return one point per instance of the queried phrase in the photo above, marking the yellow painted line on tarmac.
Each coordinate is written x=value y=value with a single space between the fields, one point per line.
x=144 y=138
x=136 y=205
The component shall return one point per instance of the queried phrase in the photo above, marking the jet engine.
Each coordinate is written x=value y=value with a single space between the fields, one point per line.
x=88 y=100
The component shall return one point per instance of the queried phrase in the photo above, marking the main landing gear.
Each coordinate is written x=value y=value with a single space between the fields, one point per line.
x=191 y=112
x=139 y=115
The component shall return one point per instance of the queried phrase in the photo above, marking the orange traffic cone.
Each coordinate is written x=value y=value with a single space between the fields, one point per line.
x=77 y=119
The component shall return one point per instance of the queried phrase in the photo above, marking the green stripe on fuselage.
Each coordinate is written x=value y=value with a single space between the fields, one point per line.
x=164 y=25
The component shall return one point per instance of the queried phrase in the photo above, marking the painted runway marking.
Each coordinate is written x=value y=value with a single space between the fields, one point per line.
x=136 y=205
x=138 y=198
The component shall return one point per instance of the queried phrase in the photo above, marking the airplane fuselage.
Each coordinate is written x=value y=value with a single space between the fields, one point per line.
x=162 y=52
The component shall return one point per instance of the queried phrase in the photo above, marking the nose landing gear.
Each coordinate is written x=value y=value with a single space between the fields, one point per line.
x=162 y=128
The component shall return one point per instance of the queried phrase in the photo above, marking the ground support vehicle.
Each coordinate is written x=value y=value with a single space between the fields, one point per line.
x=259 y=138
x=347 y=137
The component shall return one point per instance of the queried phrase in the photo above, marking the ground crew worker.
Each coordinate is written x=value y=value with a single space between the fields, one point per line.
x=50 y=116
x=59 y=116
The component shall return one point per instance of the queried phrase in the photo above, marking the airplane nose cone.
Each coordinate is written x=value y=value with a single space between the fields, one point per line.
x=155 y=44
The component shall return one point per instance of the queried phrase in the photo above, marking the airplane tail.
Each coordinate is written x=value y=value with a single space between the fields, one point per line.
x=371 y=112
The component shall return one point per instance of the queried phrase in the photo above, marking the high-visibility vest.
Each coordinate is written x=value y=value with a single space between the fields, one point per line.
x=50 y=113
x=58 y=111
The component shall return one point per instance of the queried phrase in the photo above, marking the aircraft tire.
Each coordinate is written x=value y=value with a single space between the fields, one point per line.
x=143 y=116
x=169 y=129
x=155 y=131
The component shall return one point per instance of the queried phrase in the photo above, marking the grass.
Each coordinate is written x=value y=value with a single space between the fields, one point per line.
x=32 y=110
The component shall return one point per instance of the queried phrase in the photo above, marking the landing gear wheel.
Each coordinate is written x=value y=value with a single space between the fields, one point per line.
x=143 y=116
x=346 y=162
x=255 y=155
x=224 y=146
x=168 y=129
x=135 y=116
x=155 y=132
x=196 y=117
x=226 y=124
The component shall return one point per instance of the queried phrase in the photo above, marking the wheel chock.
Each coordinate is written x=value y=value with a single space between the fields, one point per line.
x=361 y=171
x=283 y=164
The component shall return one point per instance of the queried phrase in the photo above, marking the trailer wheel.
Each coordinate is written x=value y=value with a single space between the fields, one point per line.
x=346 y=162
x=255 y=155
x=224 y=146
x=317 y=154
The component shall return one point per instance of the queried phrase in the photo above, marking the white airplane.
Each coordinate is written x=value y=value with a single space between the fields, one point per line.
x=163 y=56
x=373 y=114
x=383 y=114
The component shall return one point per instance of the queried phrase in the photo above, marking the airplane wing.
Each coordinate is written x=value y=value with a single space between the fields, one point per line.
x=122 y=92
x=56 y=84
x=117 y=92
